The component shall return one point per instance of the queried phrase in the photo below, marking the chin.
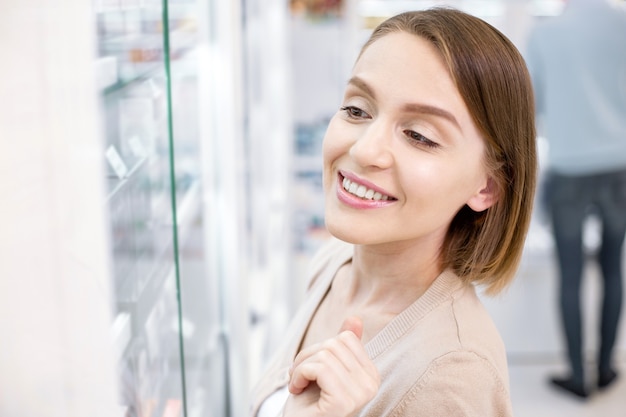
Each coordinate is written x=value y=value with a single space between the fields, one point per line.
x=341 y=236
x=349 y=234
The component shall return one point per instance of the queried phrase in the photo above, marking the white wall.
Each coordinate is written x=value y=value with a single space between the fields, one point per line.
x=55 y=353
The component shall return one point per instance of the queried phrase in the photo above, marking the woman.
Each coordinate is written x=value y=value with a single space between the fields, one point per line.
x=429 y=175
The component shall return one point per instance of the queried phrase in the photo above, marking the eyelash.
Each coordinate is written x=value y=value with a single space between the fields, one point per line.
x=350 y=110
x=413 y=136
x=420 y=139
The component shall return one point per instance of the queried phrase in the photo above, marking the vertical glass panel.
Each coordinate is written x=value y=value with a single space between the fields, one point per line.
x=131 y=73
x=203 y=354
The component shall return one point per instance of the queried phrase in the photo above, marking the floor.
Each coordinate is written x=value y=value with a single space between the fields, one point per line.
x=532 y=396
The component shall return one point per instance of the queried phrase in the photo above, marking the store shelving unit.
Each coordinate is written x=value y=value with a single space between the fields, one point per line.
x=167 y=329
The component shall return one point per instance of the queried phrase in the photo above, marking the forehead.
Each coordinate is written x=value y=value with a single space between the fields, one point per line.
x=399 y=50
x=408 y=60
x=404 y=68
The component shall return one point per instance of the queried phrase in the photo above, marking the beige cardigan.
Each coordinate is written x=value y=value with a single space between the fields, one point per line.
x=442 y=356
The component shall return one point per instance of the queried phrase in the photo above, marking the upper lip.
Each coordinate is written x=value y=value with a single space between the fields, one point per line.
x=352 y=177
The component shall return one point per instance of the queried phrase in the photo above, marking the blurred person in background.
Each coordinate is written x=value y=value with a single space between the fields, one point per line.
x=429 y=176
x=578 y=65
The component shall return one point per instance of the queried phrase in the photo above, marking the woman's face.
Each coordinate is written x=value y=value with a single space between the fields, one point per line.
x=404 y=146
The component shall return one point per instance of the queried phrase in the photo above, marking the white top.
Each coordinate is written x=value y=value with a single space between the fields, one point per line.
x=273 y=405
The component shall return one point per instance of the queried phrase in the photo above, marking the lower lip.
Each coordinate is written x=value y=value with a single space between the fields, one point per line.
x=359 y=203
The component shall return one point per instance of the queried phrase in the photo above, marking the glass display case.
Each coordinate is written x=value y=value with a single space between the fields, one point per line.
x=166 y=332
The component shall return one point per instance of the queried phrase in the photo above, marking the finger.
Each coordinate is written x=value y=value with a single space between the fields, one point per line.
x=300 y=378
x=353 y=324
x=349 y=350
x=344 y=354
x=338 y=386
x=328 y=371
x=347 y=338
x=308 y=371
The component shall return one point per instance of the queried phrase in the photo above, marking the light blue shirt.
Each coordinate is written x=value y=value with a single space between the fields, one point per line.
x=578 y=64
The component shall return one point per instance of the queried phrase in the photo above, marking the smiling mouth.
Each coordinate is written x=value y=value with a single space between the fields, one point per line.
x=363 y=192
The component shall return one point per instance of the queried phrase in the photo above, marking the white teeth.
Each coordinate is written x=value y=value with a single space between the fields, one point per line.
x=362 y=191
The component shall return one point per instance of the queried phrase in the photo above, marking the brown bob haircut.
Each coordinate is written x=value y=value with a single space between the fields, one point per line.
x=491 y=76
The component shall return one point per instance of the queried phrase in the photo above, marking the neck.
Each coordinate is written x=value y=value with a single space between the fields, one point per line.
x=392 y=275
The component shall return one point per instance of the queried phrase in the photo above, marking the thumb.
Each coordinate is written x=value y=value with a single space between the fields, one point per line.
x=353 y=324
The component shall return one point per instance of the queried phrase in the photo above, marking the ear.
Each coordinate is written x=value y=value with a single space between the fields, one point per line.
x=484 y=198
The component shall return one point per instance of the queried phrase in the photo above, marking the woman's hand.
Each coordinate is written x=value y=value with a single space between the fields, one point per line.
x=335 y=378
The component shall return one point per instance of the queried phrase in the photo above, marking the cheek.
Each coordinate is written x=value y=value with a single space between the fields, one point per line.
x=330 y=153
x=334 y=144
x=425 y=182
x=440 y=185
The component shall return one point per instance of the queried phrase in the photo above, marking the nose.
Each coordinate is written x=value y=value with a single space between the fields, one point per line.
x=373 y=146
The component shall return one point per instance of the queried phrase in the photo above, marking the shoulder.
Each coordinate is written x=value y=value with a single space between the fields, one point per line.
x=469 y=376
x=458 y=383
x=451 y=362
x=462 y=323
x=459 y=317
x=475 y=329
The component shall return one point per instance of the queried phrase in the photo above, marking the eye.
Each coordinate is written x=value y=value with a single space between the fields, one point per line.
x=419 y=139
x=354 y=112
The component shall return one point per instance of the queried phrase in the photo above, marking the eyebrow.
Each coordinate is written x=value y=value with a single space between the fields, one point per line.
x=362 y=85
x=409 y=107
